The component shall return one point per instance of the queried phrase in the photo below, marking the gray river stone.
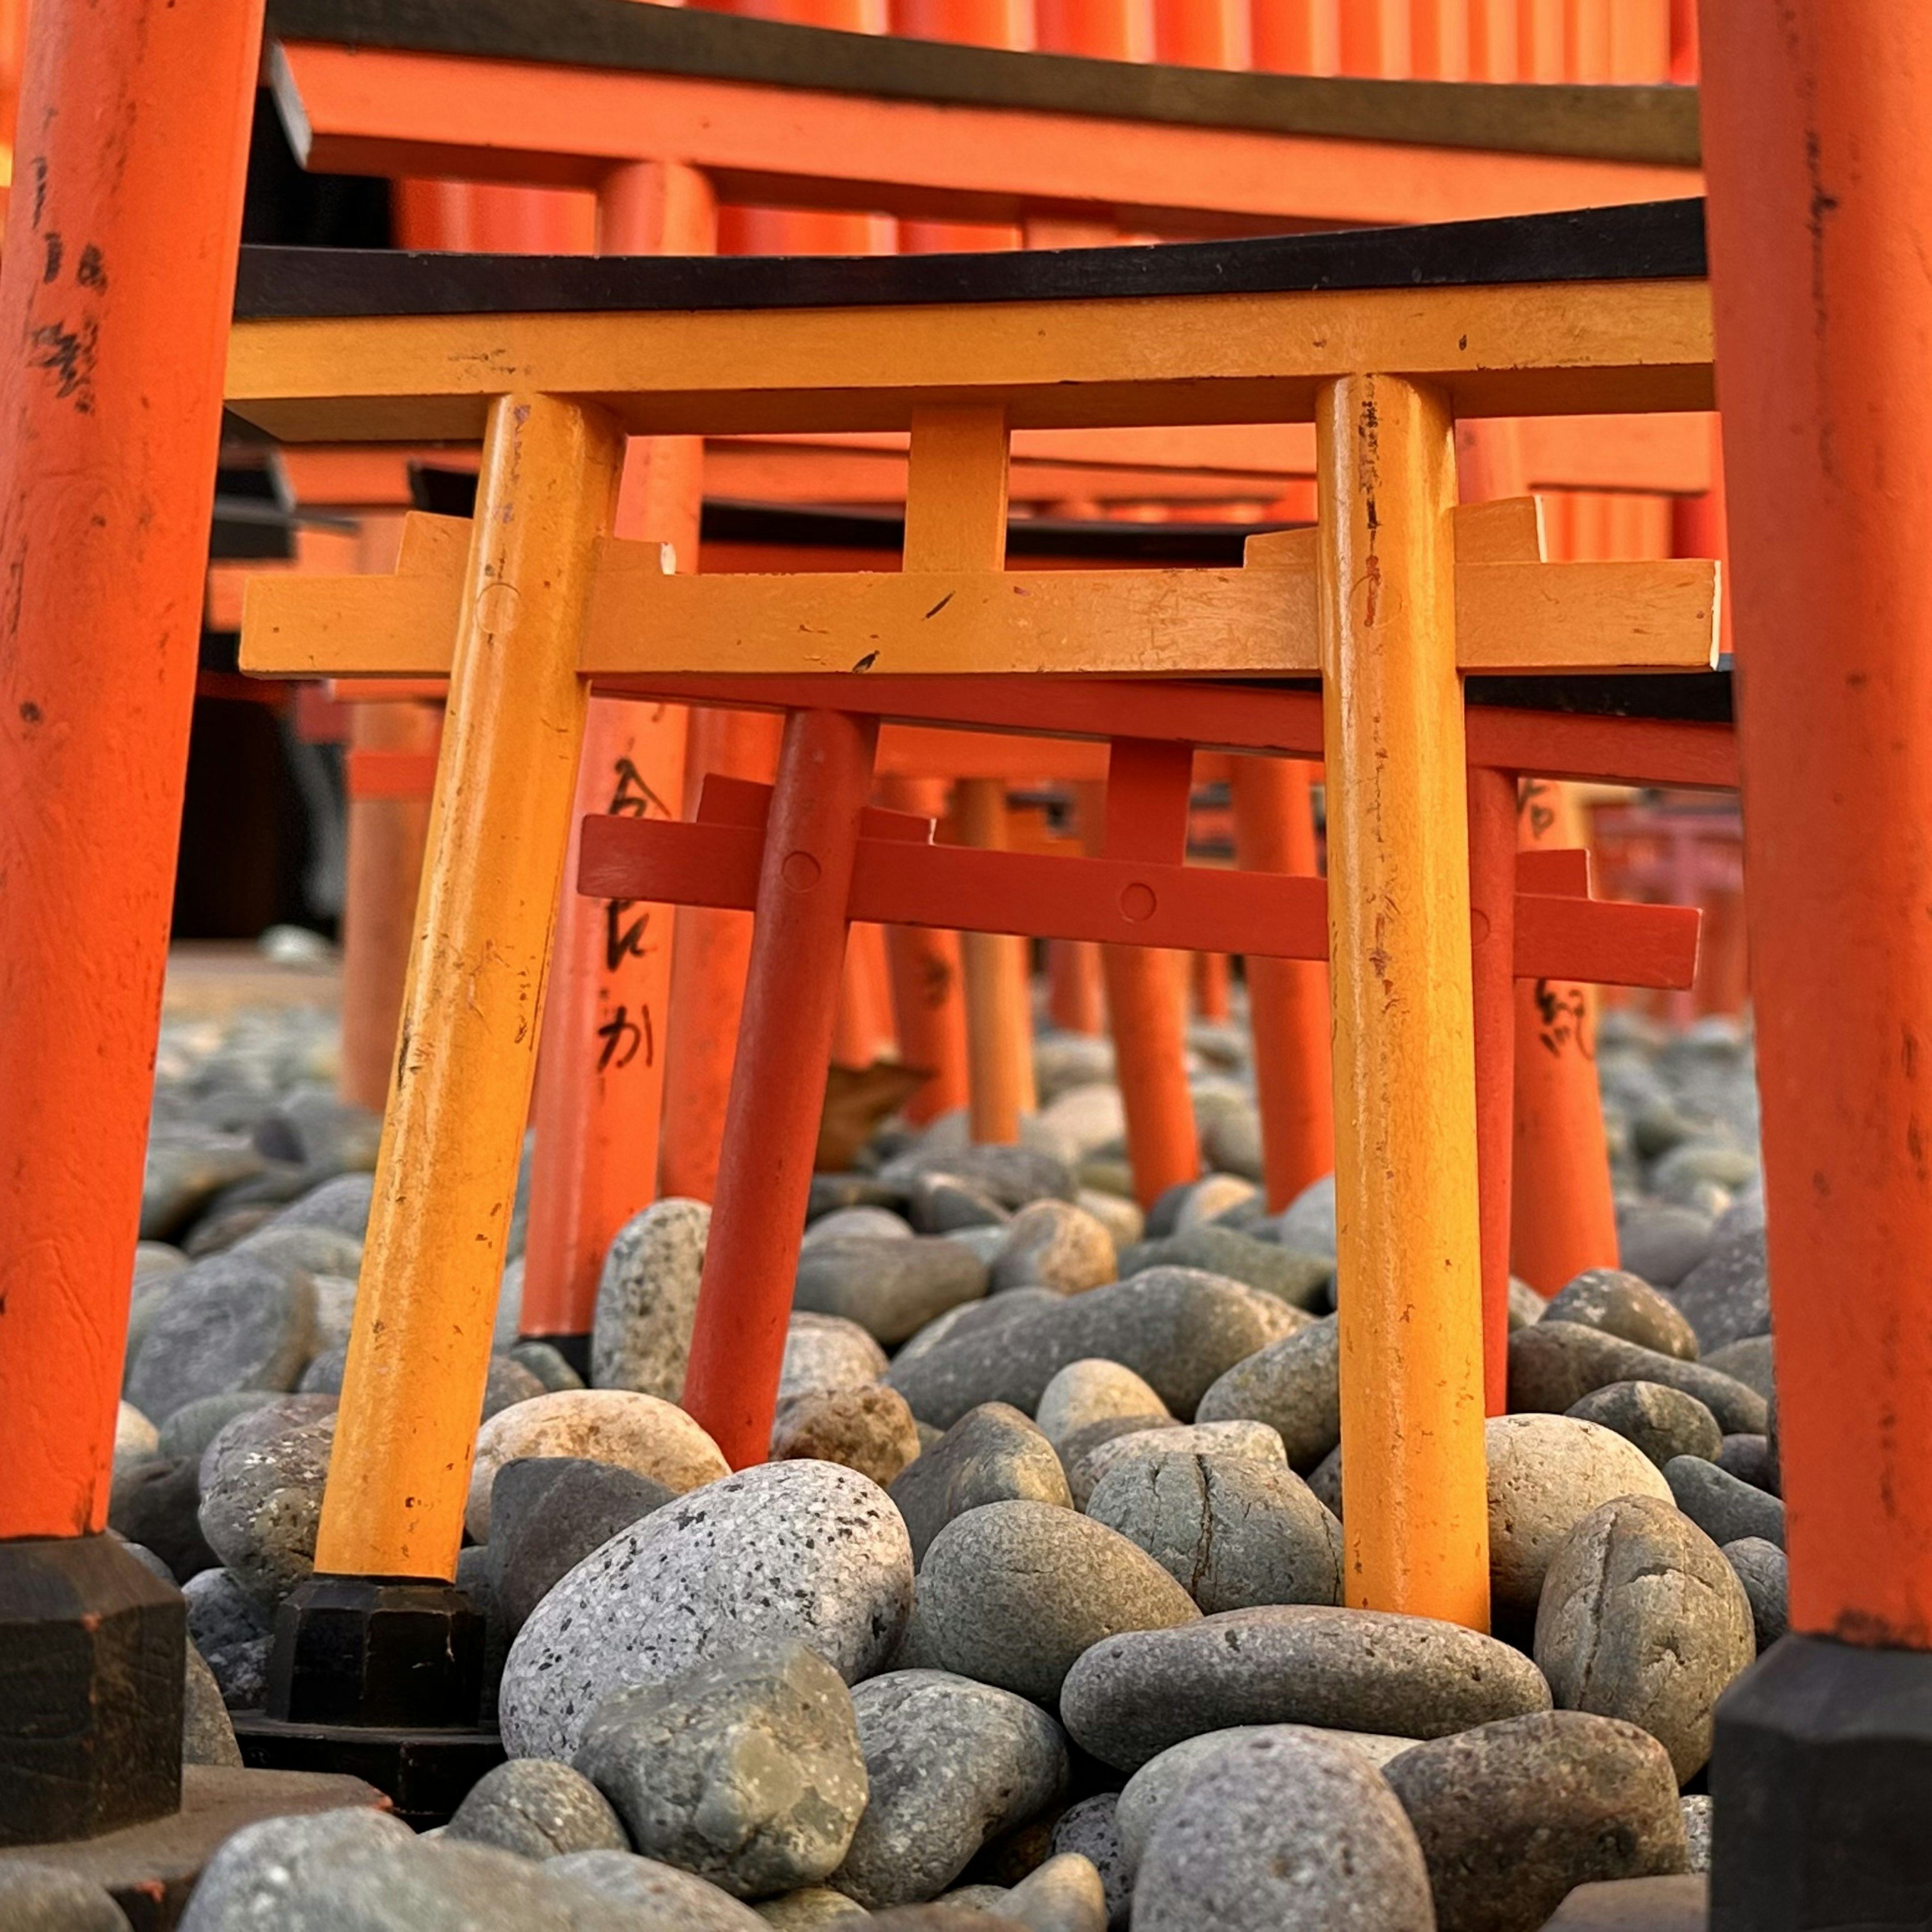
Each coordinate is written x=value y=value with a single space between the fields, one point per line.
x=1723 y=1506
x=1511 y=1816
x=265 y=1872
x=1748 y=1361
x=1232 y=1533
x=313 y=1249
x=1762 y=1570
x=746 y=1769
x=647 y=1299
x=1627 y=1306
x=1178 y=1328
x=1307 y=1223
x=828 y=1352
x=891 y=1288
x=991 y=1454
x=1055 y=1244
x=1748 y=1457
x=1662 y=1422
x=807 y=1550
x=1015 y=1593
x=262 y=1481
x=974 y=1318
x=1660 y=1243
x=951 y=1764
x=156 y=1502
x=342 y=1204
x=229 y=1322
x=870 y=1429
x=1643 y=1619
x=233 y=1633
x=1555 y=1364
x=195 y=1425
x=1231 y=1441
x=538 y=1809
x=649 y=1894
x=1133 y=1696
x=1726 y=1297
x=1088 y=1828
x=37 y=1897
x=1283 y=1829
x=1300 y=1280
x=1012 y=1175
x=1092 y=1391
x=873 y=1223
x=546 y=1514
x=1295 y=1385
x=207 y=1733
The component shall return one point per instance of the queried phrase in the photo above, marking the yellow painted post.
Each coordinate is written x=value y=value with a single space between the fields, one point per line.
x=1416 y=1520
x=419 y=1351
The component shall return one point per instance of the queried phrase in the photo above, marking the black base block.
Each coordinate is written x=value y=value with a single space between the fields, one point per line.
x=91 y=1687
x=426 y=1773
x=1821 y=1788
x=374 y=1650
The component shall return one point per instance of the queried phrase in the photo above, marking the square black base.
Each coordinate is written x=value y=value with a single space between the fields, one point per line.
x=91 y=1689
x=1821 y=1788
x=377 y=1651
x=425 y=1773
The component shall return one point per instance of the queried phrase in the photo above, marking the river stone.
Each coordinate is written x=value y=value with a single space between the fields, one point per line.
x=940 y=1917
x=36 y=1898
x=1133 y=1696
x=208 y=1734
x=1012 y=1175
x=787 y=1550
x=157 y=1502
x=973 y=1318
x=1749 y=1459
x=1554 y=1365
x=261 y=1493
x=1697 y=1810
x=1643 y=1619
x=1055 y=1244
x=1232 y=1532
x=1762 y=1570
x=1283 y=1829
x=634 y=1431
x=195 y=1425
x=229 y=1322
x=812 y=1905
x=951 y=1764
x=1325 y=1479
x=1724 y=1507
x=1526 y=1305
x=1511 y=1816
x=1295 y=1385
x=1627 y=1306
x=870 y=1223
x=942 y=1203
x=1545 y=1474
x=891 y=1288
x=552 y=1371
x=1662 y=1422
x=1726 y=1297
x=1660 y=1243
x=1089 y=1391
x=342 y=1204
x=828 y=1352
x=1088 y=1828
x=745 y=1769
x=134 y=1435
x=1177 y=1327
x=651 y=1894
x=991 y=1454
x=1210 y=1197
x=234 y=1634
x=538 y=1809
x=1121 y=1217
x=1748 y=1361
x=647 y=1299
x=1065 y=1893
x=1013 y=1593
x=548 y=1514
x=870 y=1429
x=185 y=1169
x=313 y=1249
x=1246 y=1441
x=1300 y=1280
x=266 y=1871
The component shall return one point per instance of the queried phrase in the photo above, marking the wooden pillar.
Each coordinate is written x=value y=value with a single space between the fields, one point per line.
x=1288 y=999
x=1820 y=225
x=928 y=1006
x=1208 y=977
x=1076 y=1002
x=419 y=1349
x=865 y=1032
x=1416 y=1520
x=999 y=1030
x=1492 y=818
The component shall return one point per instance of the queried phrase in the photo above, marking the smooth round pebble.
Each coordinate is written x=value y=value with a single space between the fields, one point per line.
x=828 y=1352
x=1625 y=1305
x=1055 y=1244
x=261 y=1481
x=1662 y=1422
x=36 y=1897
x=548 y=1514
x=1092 y=1391
x=654 y=1894
x=991 y=1454
x=892 y=1288
x=1089 y=1828
x=1295 y=1385
x=1723 y=1506
x=1762 y=1570
x=1238 y=1441
x=538 y=1809
x=1553 y=1365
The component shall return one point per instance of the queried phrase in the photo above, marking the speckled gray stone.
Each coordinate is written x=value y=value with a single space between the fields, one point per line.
x=788 y=1550
x=828 y=1352
x=1055 y=1244
x=1014 y=1593
x=1232 y=1533
x=233 y=1322
x=1300 y=1280
x=647 y=1299
x=1554 y=1365
x=233 y=1634
x=745 y=1769
x=1643 y=1619
x=1526 y=1305
x=870 y=1429
x=991 y=1454
x=650 y=1894
x=342 y=1204
x=538 y=1809
x=1660 y=1243
x=1295 y=1385
x=891 y=1288
x=1720 y=1503
x=972 y=1318
x=1662 y=1422
x=1234 y=1441
x=261 y=1493
x=1545 y=1474
x=36 y=1897
x=266 y=1872
x=1762 y=1570
x=1726 y=1297
x=1511 y=1816
x=195 y=1425
x=548 y=1514
x=1176 y=1327
x=1361 y=1670
x=1088 y=1828
x=207 y=1736
x=951 y=1764
x=1697 y=1810
x=1282 y=1830
x=1627 y=1306
x=1089 y=1391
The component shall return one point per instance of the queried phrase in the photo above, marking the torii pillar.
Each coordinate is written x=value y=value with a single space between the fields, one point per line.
x=1815 y=114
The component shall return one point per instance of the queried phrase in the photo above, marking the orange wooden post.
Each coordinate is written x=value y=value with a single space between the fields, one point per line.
x=115 y=289
x=1492 y=886
x=601 y=1079
x=864 y=1031
x=778 y=1084
x=1820 y=223
x=928 y=1006
x=1076 y=1002
x=999 y=1031
x=1208 y=977
x=1288 y=999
